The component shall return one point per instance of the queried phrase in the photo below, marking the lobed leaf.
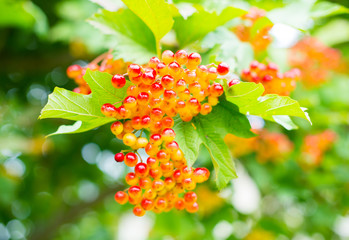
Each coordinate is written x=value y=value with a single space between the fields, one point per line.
x=271 y=107
x=84 y=109
x=210 y=131
x=156 y=14
x=201 y=23
x=134 y=41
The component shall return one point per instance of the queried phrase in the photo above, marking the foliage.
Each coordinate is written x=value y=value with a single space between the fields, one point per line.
x=71 y=179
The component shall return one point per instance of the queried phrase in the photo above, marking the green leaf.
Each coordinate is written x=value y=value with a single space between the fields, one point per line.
x=244 y=93
x=188 y=139
x=285 y=121
x=85 y=109
x=247 y=96
x=295 y=14
x=210 y=130
x=272 y=105
x=23 y=14
x=260 y=24
x=156 y=14
x=327 y=9
x=134 y=41
x=79 y=126
x=201 y=23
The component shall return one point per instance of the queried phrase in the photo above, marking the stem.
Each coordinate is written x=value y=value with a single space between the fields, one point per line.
x=104 y=62
x=139 y=156
x=158 y=49
x=99 y=58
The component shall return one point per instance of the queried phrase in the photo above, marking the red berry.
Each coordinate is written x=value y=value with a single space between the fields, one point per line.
x=168 y=135
x=149 y=75
x=192 y=208
x=156 y=89
x=194 y=59
x=143 y=98
x=147 y=204
x=118 y=81
x=181 y=57
x=134 y=70
x=155 y=139
x=74 y=71
x=201 y=175
x=152 y=162
x=121 y=197
x=190 y=197
x=119 y=157
x=223 y=68
x=138 y=211
x=179 y=204
x=167 y=56
x=145 y=121
x=131 y=159
x=131 y=179
x=153 y=62
x=141 y=170
x=109 y=110
x=135 y=192
x=233 y=82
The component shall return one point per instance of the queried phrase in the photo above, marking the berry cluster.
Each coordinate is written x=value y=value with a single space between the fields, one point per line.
x=273 y=80
x=268 y=146
x=159 y=92
x=108 y=64
x=314 y=147
x=259 y=41
x=315 y=60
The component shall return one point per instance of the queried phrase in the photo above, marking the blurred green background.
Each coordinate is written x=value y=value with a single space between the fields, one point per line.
x=62 y=187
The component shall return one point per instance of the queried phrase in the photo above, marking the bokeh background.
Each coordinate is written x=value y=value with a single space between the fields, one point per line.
x=291 y=185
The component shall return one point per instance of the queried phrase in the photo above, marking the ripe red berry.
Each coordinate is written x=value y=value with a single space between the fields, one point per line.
x=153 y=62
x=149 y=75
x=109 y=110
x=179 y=204
x=168 y=135
x=233 y=82
x=131 y=159
x=152 y=162
x=141 y=170
x=74 y=71
x=201 y=175
x=147 y=204
x=192 y=208
x=121 y=197
x=167 y=122
x=155 y=139
x=119 y=157
x=190 y=197
x=118 y=81
x=167 y=56
x=134 y=70
x=135 y=192
x=216 y=90
x=131 y=179
x=194 y=60
x=167 y=81
x=156 y=89
x=117 y=128
x=145 y=183
x=161 y=203
x=181 y=57
x=223 y=69
x=143 y=98
x=138 y=211
x=130 y=102
x=145 y=121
